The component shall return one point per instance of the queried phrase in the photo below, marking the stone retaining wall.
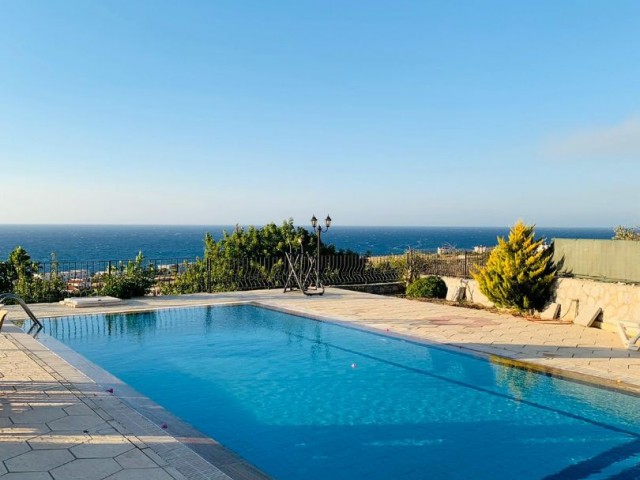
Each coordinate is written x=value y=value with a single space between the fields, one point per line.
x=473 y=293
x=618 y=301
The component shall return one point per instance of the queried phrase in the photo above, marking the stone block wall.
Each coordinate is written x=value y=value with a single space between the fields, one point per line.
x=473 y=293
x=618 y=301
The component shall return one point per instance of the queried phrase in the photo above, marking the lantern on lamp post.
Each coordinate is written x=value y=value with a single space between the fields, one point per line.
x=319 y=230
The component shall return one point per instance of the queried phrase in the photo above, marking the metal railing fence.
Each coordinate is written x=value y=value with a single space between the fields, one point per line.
x=52 y=281
x=452 y=264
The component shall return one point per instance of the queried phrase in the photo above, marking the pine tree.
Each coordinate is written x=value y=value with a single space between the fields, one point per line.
x=520 y=272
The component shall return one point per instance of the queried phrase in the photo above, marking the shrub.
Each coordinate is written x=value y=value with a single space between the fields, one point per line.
x=40 y=289
x=520 y=272
x=21 y=276
x=131 y=280
x=409 y=266
x=190 y=278
x=427 y=287
x=626 y=233
x=121 y=286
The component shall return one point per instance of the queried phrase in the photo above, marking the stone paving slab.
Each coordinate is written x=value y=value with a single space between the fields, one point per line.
x=56 y=422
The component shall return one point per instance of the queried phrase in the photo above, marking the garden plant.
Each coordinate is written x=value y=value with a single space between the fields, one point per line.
x=520 y=272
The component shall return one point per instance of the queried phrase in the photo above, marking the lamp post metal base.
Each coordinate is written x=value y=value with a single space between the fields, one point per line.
x=303 y=271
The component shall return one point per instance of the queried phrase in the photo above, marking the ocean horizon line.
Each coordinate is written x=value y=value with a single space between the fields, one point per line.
x=218 y=225
x=100 y=241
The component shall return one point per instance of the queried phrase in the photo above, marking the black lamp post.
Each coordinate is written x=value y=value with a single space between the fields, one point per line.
x=318 y=228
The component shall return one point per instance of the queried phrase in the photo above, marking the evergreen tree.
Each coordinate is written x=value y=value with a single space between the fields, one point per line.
x=520 y=272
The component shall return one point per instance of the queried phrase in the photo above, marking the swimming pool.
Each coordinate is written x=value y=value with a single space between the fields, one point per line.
x=303 y=399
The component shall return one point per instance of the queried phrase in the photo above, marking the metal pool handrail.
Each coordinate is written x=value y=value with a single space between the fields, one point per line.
x=13 y=296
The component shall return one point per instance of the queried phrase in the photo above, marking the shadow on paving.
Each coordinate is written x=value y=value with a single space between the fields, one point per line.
x=90 y=422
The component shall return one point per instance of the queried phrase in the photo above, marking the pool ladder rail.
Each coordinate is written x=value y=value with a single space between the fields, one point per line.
x=35 y=328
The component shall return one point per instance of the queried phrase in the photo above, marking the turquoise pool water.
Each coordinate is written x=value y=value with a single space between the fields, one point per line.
x=302 y=399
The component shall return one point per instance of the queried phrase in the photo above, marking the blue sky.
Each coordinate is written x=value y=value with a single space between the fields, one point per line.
x=377 y=112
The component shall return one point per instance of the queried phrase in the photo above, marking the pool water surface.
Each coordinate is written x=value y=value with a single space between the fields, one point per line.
x=303 y=399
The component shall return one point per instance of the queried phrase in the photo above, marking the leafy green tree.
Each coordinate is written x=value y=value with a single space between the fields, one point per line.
x=30 y=283
x=520 y=272
x=7 y=277
x=40 y=289
x=245 y=258
x=268 y=241
x=241 y=255
x=21 y=263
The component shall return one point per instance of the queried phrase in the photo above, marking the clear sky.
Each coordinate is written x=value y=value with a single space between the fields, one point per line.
x=378 y=112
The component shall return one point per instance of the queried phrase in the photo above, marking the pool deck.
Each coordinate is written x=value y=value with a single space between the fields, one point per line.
x=59 y=422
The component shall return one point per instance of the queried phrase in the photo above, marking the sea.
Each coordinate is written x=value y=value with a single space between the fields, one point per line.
x=123 y=242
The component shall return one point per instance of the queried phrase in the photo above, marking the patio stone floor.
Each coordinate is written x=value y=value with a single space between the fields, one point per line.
x=58 y=423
